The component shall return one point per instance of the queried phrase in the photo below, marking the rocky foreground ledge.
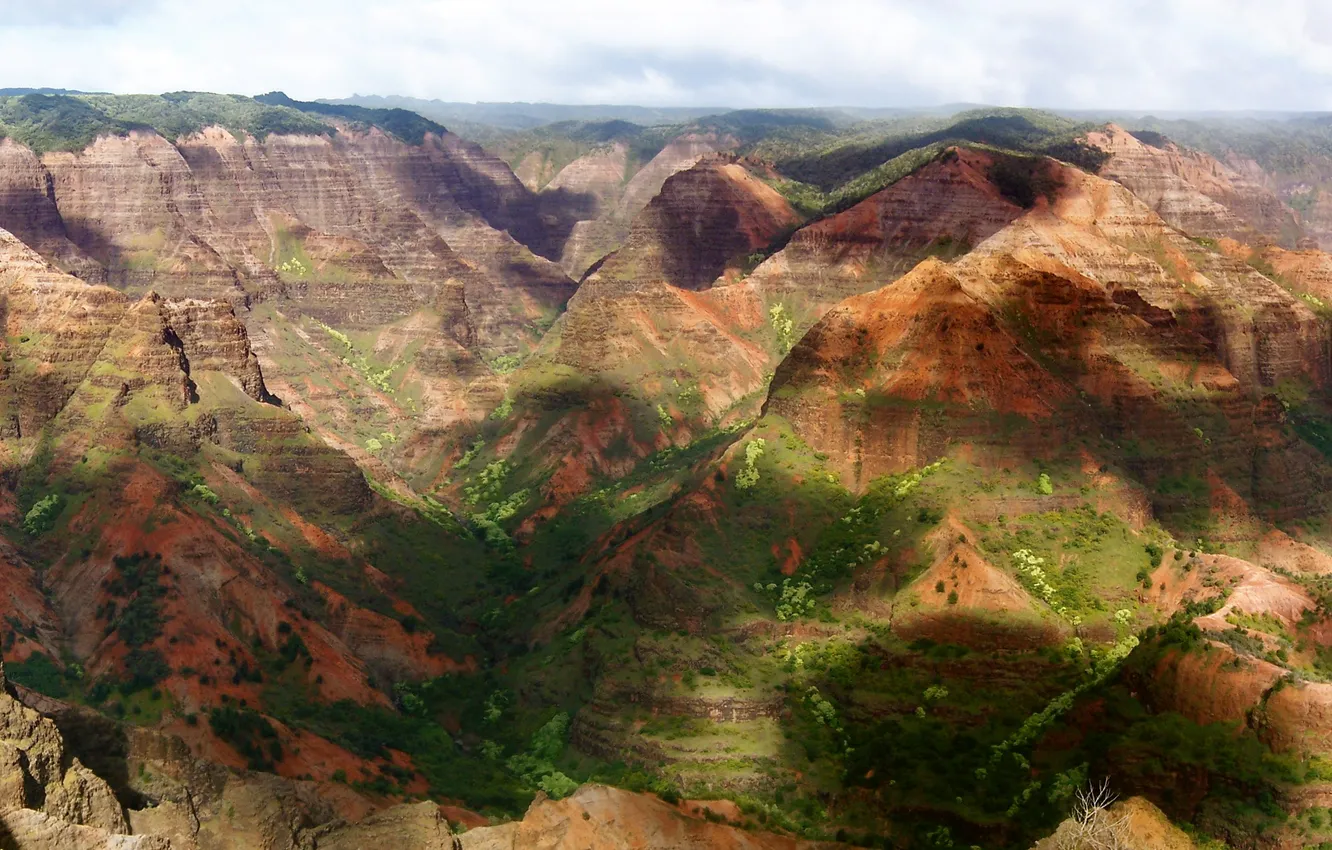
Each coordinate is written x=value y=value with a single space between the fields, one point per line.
x=49 y=800
x=159 y=797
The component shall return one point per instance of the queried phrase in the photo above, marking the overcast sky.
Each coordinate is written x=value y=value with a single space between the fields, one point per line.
x=1140 y=54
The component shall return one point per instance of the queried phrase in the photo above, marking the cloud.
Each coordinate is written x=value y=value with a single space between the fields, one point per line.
x=1149 y=54
x=69 y=14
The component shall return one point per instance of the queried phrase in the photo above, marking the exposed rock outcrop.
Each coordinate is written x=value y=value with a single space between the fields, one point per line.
x=69 y=332
x=48 y=799
x=215 y=216
x=1132 y=824
x=188 y=804
x=601 y=175
x=1060 y=321
x=1195 y=192
x=601 y=818
x=944 y=208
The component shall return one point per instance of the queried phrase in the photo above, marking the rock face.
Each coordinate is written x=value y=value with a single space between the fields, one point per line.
x=419 y=827
x=944 y=208
x=66 y=328
x=675 y=301
x=601 y=818
x=620 y=197
x=702 y=219
x=1132 y=824
x=1195 y=192
x=440 y=223
x=1056 y=310
x=94 y=369
x=923 y=339
x=28 y=201
x=48 y=799
x=705 y=219
x=435 y=245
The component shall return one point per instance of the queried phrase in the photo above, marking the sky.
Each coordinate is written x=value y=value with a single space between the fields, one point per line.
x=1071 y=54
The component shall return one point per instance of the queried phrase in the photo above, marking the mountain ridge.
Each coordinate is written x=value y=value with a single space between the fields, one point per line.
x=847 y=514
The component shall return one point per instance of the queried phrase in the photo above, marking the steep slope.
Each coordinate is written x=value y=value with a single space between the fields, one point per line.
x=622 y=189
x=218 y=216
x=971 y=490
x=387 y=276
x=163 y=521
x=922 y=340
x=678 y=333
x=1195 y=192
x=942 y=209
x=689 y=232
x=178 y=802
x=175 y=802
x=647 y=319
x=668 y=272
x=1061 y=312
x=898 y=527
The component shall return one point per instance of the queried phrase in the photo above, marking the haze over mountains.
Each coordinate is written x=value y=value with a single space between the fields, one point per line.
x=518 y=475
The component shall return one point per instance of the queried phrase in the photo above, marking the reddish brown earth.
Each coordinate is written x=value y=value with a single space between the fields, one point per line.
x=934 y=319
x=601 y=818
x=104 y=373
x=979 y=604
x=673 y=313
x=437 y=240
x=1195 y=192
x=603 y=175
x=968 y=336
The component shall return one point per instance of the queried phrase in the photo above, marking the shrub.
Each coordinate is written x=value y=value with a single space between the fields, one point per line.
x=557 y=786
x=146 y=667
x=747 y=477
x=138 y=582
x=1043 y=485
x=251 y=735
x=783 y=325
x=42 y=516
x=1023 y=179
x=204 y=492
x=1154 y=552
x=549 y=741
x=797 y=600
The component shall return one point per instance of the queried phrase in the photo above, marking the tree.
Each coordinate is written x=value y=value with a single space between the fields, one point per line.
x=1094 y=825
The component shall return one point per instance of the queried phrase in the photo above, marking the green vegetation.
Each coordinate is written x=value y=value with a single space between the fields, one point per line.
x=249 y=733
x=1024 y=179
x=43 y=675
x=42 y=515
x=71 y=122
x=61 y=122
x=135 y=612
x=378 y=378
x=602 y=591
x=560 y=143
x=783 y=325
x=864 y=149
x=796 y=600
x=405 y=124
x=748 y=476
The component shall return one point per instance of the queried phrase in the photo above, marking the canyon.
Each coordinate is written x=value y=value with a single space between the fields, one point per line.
x=358 y=484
